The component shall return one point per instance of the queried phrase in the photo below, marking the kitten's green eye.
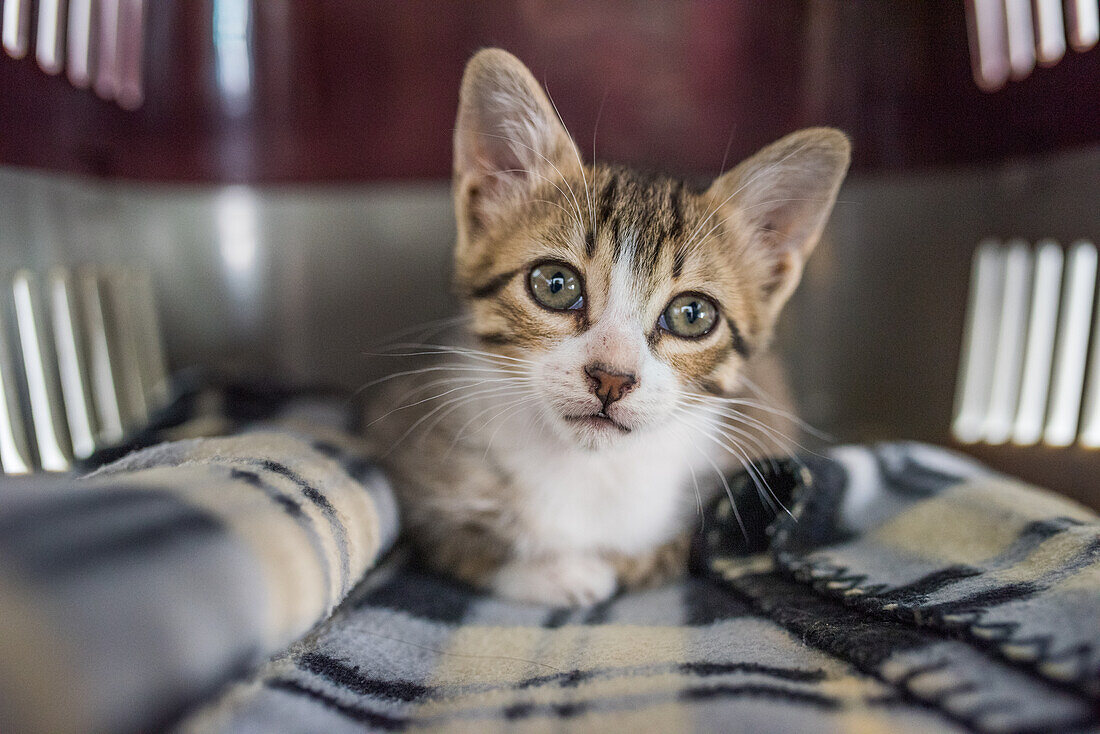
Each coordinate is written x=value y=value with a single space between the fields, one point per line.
x=556 y=286
x=689 y=315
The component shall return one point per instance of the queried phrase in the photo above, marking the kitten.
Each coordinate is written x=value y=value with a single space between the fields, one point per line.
x=614 y=357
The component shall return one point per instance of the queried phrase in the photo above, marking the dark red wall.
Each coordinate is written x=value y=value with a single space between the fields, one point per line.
x=346 y=90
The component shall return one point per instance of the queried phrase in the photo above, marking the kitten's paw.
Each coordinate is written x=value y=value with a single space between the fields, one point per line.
x=572 y=580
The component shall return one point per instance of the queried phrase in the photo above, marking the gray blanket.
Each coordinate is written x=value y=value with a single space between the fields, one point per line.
x=225 y=584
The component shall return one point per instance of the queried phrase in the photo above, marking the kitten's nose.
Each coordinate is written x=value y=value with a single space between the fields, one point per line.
x=609 y=386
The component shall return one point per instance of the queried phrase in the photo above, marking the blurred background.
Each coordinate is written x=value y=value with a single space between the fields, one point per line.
x=281 y=168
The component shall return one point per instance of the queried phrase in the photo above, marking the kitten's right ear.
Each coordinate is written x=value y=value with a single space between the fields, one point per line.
x=780 y=199
x=508 y=139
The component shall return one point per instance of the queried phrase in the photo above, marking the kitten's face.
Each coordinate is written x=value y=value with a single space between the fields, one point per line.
x=622 y=293
x=649 y=295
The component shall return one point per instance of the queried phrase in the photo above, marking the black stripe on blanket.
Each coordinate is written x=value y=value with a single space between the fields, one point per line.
x=348 y=677
x=359 y=468
x=356 y=713
x=705 y=602
x=599 y=613
x=918 y=591
x=573 y=678
x=311 y=493
x=558 y=617
x=826 y=624
x=79 y=507
x=182 y=702
x=792 y=674
x=1032 y=536
x=907 y=476
x=293 y=508
x=85 y=550
x=867 y=643
x=251 y=478
x=422 y=595
x=758 y=690
x=779 y=694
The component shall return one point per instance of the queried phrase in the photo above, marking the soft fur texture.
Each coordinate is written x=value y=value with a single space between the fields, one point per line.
x=512 y=473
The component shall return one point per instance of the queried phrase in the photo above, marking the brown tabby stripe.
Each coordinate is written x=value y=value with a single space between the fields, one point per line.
x=739 y=344
x=652 y=249
x=676 y=205
x=653 y=337
x=493 y=285
x=711 y=359
x=678 y=261
x=496 y=338
x=712 y=387
x=607 y=197
x=652 y=207
x=615 y=239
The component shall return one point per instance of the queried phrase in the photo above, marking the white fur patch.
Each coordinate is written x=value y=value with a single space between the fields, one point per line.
x=564 y=580
x=587 y=489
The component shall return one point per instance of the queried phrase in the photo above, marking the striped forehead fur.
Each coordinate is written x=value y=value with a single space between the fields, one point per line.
x=664 y=229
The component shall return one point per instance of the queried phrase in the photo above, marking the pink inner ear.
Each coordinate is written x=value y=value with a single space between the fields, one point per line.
x=474 y=219
x=486 y=157
x=507 y=135
x=492 y=182
x=497 y=170
x=783 y=267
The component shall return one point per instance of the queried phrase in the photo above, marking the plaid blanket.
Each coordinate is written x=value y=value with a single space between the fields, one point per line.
x=908 y=589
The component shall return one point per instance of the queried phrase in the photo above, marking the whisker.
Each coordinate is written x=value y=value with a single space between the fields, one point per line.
x=726 y=155
x=572 y=214
x=768 y=399
x=764 y=450
x=473 y=362
x=462 y=381
x=711 y=399
x=438 y=368
x=784 y=441
x=596 y=126
x=455 y=405
x=453 y=402
x=751 y=179
x=514 y=141
x=580 y=163
x=568 y=213
x=507 y=412
x=754 y=473
x=462 y=430
x=708 y=426
x=429 y=399
x=725 y=484
x=750 y=384
x=698 y=498
x=783 y=236
x=451 y=349
x=782 y=201
x=437 y=324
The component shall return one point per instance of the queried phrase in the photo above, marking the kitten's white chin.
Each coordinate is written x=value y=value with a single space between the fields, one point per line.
x=595 y=432
x=596 y=440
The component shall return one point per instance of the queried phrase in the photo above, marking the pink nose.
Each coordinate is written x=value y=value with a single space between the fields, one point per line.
x=607 y=385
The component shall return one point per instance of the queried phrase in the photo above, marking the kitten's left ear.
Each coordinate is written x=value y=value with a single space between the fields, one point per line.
x=780 y=200
x=508 y=141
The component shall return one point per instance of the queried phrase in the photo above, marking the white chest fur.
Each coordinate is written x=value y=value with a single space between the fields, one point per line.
x=629 y=499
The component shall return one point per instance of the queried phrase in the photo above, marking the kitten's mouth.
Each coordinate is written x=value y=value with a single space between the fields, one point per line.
x=599 y=421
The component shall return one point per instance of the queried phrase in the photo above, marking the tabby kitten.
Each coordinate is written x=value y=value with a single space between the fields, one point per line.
x=613 y=362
